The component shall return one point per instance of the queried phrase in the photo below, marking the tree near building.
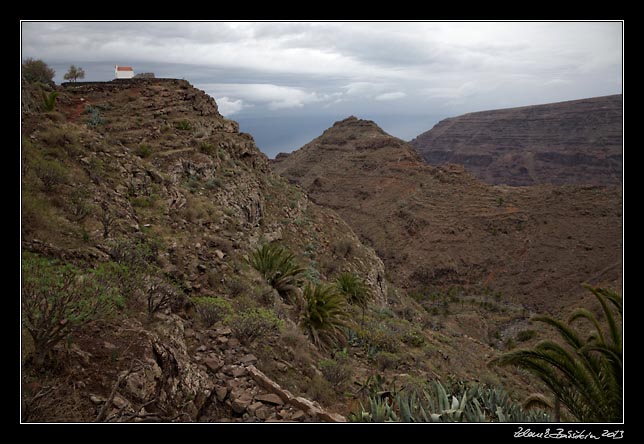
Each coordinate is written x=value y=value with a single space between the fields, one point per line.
x=74 y=73
x=34 y=71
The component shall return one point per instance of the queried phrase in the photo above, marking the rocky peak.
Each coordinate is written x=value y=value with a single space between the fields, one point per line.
x=437 y=227
x=355 y=141
x=354 y=126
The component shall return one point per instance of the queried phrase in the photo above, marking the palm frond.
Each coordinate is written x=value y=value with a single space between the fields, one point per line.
x=584 y=376
x=324 y=315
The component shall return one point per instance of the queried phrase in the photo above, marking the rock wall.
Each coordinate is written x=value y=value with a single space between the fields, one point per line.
x=575 y=142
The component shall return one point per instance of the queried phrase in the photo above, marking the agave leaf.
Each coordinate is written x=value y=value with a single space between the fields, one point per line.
x=500 y=415
x=443 y=401
x=454 y=403
x=463 y=401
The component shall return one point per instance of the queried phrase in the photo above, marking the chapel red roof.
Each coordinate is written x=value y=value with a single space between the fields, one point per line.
x=124 y=68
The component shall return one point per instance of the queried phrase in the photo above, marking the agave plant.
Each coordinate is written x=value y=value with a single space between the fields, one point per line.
x=431 y=405
x=585 y=376
x=324 y=315
x=435 y=403
x=378 y=410
x=279 y=268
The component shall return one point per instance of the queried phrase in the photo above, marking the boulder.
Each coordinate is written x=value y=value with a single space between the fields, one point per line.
x=269 y=398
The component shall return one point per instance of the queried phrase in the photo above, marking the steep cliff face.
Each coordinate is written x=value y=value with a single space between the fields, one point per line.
x=146 y=177
x=438 y=228
x=575 y=142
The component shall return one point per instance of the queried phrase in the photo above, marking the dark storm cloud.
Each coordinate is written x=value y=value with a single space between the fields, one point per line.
x=394 y=73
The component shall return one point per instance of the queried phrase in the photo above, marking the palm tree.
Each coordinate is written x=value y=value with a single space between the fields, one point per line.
x=324 y=315
x=279 y=268
x=354 y=289
x=585 y=376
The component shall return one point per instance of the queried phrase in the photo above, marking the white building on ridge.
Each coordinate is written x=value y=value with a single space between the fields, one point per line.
x=123 y=72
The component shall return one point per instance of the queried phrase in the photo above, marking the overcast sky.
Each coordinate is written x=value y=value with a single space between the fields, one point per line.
x=286 y=82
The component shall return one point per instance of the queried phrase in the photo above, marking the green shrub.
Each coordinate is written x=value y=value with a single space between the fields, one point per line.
x=353 y=289
x=59 y=298
x=160 y=294
x=142 y=202
x=319 y=389
x=138 y=254
x=57 y=137
x=183 y=125
x=119 y=276
x=236 y=286
x=143 y=150
x=37 y=71
x=336 y=371
x=279 y=268
x=50 y=173
x=213 y=184
x=311 y=274
x=413 y=337
x=212 y=309
x=207 y=148
x=374 y=339
x=36 y=212
x=342 y=248
x=255 y=322
x=49 y=100
x=324 y=315
x=526 y=335
x=79 y=205
x=385 y=360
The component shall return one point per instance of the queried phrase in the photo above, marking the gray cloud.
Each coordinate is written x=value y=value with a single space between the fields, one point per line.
x=394 y=73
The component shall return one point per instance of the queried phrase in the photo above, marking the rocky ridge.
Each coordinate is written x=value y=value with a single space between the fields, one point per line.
x=150 y=167
x=438 y=228
x=575 y=142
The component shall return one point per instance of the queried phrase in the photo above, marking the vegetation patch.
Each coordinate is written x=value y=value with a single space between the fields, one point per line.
x=255 y=323
x=435 y=402
x=212 y=309
x=58 y=298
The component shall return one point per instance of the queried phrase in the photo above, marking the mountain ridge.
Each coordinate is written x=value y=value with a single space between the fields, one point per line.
x=399 y=204
x=571 y=142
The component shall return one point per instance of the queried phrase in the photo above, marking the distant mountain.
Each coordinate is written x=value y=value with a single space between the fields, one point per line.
x=574 y=142
x=439 y=228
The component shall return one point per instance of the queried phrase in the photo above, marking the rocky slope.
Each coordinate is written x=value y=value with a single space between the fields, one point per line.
x=440 y=231
x=574 y=142
x=150 y=169
x=151 y=194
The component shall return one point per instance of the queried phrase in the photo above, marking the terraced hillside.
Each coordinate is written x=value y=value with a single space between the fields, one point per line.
x=575 y=142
